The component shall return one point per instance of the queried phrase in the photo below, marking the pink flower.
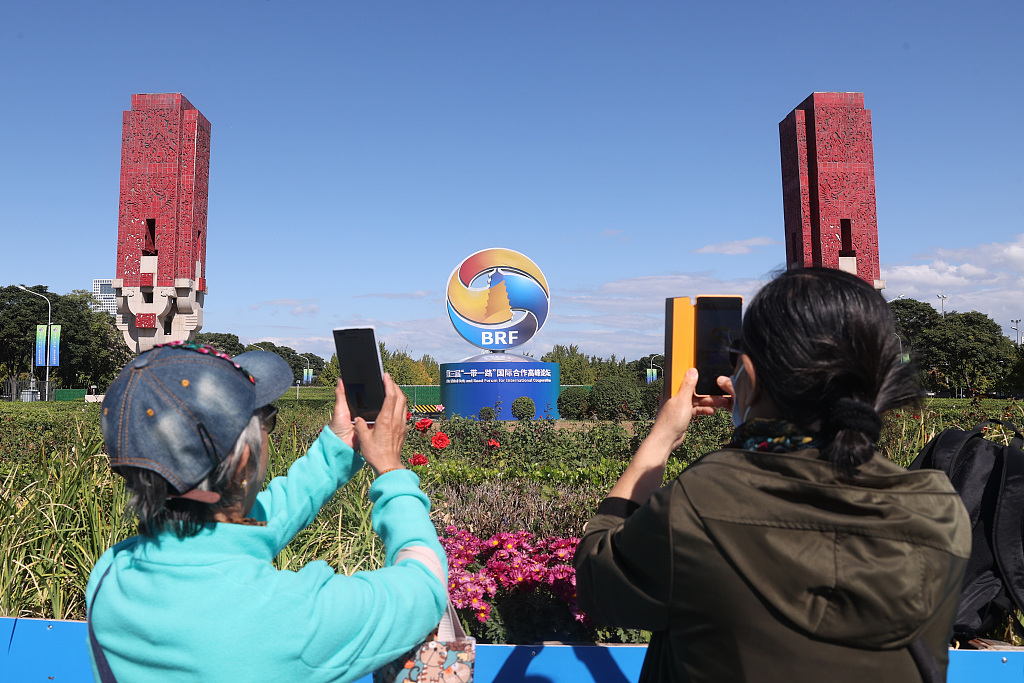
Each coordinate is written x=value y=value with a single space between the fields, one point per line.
x=483 y=613
x=424 y=424
x=418 y=459
x=439 y=440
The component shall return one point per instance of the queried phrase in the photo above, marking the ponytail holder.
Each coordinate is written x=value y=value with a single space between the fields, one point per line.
x=850 y=413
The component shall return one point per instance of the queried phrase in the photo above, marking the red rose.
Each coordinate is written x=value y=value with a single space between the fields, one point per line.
x=491 y=443
x=440 y=440
x=408 y=415
x=424 y=424
x=418 y=459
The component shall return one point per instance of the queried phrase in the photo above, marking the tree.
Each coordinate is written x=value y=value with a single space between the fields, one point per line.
x=574 y=367
x=295 y=360
x=966 y=351
x=330 y=372
x=402 y=368
x=222 y=341
x=92 y=349
x=1014 y=381
x=20 y=312
x=432 y=367
x=912 y=318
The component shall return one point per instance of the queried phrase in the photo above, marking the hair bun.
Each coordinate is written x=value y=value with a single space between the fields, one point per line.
x=850 y=413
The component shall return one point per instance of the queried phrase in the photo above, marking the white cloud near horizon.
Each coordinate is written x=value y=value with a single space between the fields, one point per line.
x=625 y=317
x=418 y=294
x=988 y=278
x=296 y=307
x=737 y=247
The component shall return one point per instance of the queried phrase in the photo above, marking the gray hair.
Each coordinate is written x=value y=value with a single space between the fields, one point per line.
x=157 y=512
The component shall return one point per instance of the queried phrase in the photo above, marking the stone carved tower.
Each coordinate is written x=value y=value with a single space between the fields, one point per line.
x=828 y=185
x=161 y=228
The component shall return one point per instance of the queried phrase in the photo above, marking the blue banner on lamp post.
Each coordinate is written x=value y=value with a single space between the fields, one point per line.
x=40 y=345
x=54 y=345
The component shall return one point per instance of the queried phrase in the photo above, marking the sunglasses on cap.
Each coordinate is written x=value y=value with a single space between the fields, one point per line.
x=268 y=418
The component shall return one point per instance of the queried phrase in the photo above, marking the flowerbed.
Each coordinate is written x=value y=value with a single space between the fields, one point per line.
x=509 y=500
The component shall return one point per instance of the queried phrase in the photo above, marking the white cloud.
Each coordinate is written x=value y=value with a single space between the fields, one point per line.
x=296 y=307
x=418 y=294
x=988 y=278
x=737 y=247
x=614 y=234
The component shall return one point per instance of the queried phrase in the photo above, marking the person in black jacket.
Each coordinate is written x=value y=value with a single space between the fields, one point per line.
x=797 y=552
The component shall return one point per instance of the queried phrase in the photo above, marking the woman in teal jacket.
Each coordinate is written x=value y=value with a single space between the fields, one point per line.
x=195 y=596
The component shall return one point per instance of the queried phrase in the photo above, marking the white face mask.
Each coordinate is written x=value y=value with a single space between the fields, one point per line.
x=736 y=419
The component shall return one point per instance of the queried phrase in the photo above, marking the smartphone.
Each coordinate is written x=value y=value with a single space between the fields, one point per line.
x=361 y=370
x=717 y=328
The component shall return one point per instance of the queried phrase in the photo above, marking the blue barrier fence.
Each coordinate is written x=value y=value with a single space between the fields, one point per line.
x=41 y=650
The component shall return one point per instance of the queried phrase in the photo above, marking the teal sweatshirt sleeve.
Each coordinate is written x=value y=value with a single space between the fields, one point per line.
x=366 y=620
x=290 y=503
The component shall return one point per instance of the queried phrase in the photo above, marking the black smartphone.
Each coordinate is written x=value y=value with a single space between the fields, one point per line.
x=719 y=320
x=361 y=370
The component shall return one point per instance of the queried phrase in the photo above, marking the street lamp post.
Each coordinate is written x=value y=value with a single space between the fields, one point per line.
x=656 y=366
x=48 y=318
x=1016 y=330
x=942 y=300
x=901 y=344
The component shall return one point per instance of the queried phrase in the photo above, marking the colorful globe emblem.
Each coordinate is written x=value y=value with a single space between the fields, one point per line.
x=497 y=299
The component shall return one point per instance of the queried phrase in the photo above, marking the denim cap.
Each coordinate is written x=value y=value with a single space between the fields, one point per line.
x=179 y=408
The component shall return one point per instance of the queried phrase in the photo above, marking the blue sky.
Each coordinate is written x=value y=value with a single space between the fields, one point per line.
x=361 y=150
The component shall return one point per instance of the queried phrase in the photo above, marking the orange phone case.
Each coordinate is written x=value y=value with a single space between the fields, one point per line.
x=680 y=341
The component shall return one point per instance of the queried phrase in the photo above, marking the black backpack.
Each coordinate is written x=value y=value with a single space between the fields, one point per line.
x=990 y=479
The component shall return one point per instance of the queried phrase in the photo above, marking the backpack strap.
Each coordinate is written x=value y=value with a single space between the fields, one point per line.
x=943 y=451
x=1008 y=531
x=926 y=663
x=102 y=666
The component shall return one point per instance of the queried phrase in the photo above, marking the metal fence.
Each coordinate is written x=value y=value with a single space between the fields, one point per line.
x=12 y=389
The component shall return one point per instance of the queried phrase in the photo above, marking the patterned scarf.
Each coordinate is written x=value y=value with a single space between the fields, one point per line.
x=771 y=436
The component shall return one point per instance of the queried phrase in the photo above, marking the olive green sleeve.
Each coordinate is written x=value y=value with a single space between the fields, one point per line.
x=624 y=566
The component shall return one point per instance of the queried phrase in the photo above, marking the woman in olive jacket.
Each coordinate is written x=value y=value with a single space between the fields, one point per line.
x=797 y=552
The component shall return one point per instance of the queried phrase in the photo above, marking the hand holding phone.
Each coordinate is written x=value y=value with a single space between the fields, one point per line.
x=702 y=335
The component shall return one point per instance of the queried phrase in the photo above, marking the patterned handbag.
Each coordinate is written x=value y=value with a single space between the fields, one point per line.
x=448 y=655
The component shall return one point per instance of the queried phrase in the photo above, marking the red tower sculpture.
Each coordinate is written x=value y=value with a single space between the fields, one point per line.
x=828 y=185
x=161 y=229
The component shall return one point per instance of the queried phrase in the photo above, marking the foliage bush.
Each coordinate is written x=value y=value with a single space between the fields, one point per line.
x=572 y=403
x=60 y=506
x=486 y=413
x=650 y=398
x=523 y=408
x=615 y=398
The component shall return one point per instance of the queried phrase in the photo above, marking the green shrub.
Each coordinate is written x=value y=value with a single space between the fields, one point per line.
x=615 y=398
x=61 y=506
x=650 y=398
x=523 y=408
x=572 y=403
x=486 y=413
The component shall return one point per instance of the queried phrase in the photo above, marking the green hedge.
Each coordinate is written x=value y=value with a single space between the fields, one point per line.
x=61 y=506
